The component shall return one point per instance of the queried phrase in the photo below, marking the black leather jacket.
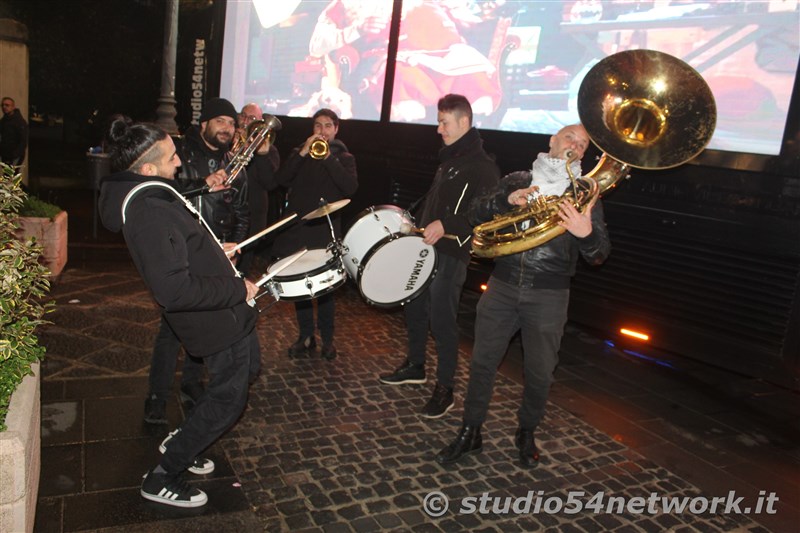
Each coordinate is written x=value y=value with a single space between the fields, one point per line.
x=551 y=265
x=466 y=172
x=227 y=211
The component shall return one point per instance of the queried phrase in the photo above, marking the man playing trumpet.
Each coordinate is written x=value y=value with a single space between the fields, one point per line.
x=528 y=292
x=312 y=172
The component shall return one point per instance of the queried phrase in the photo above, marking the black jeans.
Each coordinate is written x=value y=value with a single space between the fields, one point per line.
x=325 y=314
x=220 y=405
x=165 y=359
x=437 y=306
x=503 y=310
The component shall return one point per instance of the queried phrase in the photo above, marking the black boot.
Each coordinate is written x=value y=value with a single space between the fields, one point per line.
x=328 y=351
x=526 y=444
x=302 y=347
x=467 y=442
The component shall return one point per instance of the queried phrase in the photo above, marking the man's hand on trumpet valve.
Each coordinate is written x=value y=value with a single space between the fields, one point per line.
x=216 y=181
x=522 y=196
x=307 y=146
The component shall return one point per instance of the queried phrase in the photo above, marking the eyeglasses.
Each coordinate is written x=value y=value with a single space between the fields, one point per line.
x=247 y=119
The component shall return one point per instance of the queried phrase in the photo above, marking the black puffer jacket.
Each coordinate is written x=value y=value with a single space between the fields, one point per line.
x=466 y=171
x=182 y=265
x=226 y=211
x=308 y=180
x=551 y=265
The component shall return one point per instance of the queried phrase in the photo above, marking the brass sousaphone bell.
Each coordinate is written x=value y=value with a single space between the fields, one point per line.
x=643 y=109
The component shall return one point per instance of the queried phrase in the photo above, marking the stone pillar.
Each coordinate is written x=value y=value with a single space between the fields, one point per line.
x=166 y=102
x=14 y=71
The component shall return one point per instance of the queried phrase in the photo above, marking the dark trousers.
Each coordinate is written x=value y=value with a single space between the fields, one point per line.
x=325 y=314
x=220 y=405
x=504 y=309
x=165 y=361
x=437 y=307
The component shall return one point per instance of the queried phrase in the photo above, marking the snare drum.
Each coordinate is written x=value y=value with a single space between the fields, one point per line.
x=389 y=267
x=317 y=272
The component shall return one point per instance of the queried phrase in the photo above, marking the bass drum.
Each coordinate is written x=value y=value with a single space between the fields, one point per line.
x=389 y=267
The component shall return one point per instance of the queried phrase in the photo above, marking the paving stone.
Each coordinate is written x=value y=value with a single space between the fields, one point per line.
x=323 y=446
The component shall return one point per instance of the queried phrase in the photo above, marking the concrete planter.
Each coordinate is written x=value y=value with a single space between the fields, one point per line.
x=52 y=235
x=20 y=457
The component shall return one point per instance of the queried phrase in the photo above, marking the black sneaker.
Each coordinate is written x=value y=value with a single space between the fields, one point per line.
x=407 y=373
x=200 y=466
x=441 y=402
x=303 y=347
x=171 y=489
x=155 y=410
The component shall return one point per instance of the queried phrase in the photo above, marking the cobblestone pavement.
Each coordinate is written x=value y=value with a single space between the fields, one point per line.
x=323 y=446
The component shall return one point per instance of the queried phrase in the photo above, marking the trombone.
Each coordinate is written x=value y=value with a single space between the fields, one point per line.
x=244 y=148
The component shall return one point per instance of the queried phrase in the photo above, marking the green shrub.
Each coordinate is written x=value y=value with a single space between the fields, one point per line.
x=34 y=207
x=23 y=287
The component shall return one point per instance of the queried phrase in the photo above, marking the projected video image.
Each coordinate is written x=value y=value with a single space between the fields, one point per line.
x=519 y=63
x=296 y=57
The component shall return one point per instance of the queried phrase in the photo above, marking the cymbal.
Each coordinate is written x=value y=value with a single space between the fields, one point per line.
x=326 y=209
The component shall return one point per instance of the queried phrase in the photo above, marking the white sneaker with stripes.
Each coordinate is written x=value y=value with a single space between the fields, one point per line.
x=171 y=489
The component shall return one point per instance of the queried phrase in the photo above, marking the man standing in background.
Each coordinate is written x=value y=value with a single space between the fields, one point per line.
x=13 y=134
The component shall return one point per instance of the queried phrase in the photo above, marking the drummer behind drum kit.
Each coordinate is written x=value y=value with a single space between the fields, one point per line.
x=382 y=252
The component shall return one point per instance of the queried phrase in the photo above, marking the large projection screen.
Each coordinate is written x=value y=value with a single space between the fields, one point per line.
x=520 y=63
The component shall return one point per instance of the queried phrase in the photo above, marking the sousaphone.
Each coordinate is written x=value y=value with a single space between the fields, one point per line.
x=643 y=109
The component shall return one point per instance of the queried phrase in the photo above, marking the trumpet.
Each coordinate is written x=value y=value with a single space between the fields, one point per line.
x=245 y=147
x=319 y=149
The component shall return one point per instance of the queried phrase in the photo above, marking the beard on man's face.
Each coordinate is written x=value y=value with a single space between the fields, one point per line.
x=219 y=139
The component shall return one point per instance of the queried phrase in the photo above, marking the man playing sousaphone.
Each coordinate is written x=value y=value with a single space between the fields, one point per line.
x=529 y=291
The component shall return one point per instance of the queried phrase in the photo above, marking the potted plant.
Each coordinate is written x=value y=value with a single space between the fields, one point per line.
x=23 y=286
x=47 y=224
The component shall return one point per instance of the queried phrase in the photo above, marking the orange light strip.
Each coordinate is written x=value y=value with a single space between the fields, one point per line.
x=635 y=334
x=484 y=286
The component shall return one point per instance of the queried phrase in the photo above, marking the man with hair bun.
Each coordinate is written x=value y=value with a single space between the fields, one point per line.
x=203 y=299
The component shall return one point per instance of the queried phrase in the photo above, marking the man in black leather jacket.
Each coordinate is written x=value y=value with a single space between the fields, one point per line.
x=466 y=172
x=528 y=291
x=202 y=151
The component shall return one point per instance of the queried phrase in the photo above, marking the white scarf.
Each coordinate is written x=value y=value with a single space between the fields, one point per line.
x=550 y=174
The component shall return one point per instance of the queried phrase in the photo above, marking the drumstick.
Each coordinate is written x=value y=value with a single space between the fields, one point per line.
x=277 y=271
x=261 y=233
x=407 y=229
